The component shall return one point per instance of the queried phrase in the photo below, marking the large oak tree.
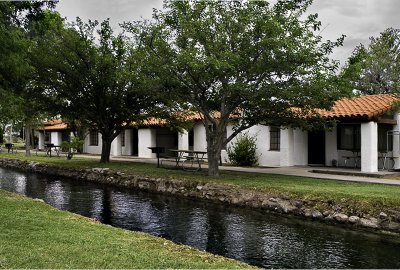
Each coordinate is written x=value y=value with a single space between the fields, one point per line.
x=21 y=23
x=241 y=62
x=94 y=77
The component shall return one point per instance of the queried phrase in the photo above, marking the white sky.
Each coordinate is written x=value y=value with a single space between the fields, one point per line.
x=357 y=19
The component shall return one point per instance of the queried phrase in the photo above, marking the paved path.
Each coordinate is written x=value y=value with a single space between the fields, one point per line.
x=295 y=171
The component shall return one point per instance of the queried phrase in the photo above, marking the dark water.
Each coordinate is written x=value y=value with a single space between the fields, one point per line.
x=266 y=240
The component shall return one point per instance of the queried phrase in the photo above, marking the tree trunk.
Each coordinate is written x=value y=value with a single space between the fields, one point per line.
x=106 y=149
x=28 y=131
x=213 y=163
x=213 y=153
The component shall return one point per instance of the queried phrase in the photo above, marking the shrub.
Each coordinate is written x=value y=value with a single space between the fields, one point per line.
x=72 y=146
x=243 y=152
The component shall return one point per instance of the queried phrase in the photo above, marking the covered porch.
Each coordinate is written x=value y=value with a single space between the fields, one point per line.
x=365 y=137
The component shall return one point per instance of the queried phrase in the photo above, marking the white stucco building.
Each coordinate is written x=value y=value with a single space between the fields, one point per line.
x=361 y=138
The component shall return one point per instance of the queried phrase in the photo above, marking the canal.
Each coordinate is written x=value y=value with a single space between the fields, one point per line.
x=258 y=238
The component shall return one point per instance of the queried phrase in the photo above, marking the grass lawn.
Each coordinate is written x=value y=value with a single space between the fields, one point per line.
x=365 y=196
x=35 y=235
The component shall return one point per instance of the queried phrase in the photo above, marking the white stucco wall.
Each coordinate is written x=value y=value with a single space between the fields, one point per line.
x=300 y=147
x=199 y=134
x=41 y=140
x=287 y=147
x=92 y=149
x=127 y=149
x=369 y=147
x=331 y=151
x=116 y=148
x=183 y=140
x=56 y=138
x=147 y=138
x=266 y=157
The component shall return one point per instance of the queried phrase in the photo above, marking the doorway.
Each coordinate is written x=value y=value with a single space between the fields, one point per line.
x=316 y=148
x=135 y=142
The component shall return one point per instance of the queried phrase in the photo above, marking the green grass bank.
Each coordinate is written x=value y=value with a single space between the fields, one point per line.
x=366 y=197
x=35 y=235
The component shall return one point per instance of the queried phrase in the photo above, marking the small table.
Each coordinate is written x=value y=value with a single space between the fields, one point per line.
x=9 y=146
x=190 y=162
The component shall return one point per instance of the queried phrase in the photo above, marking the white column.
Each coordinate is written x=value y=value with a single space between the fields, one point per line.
x=287 y=147
x=183 y=140
x=116 y=149
x=41 y=141
x=56 y=137
x=396 y=142
x=127 y=149
x=369 y=147
x=331 y=152
x=147 y=138
x=200 y=140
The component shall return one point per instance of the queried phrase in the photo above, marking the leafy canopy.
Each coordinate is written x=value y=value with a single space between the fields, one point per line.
x=375 y=69
x=94 y=78
x=246 y=60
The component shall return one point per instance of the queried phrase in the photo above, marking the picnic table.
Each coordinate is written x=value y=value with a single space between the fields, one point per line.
x=49 y=146
x=189 y=160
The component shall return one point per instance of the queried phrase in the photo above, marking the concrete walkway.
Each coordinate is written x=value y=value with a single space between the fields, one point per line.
x=342 y=174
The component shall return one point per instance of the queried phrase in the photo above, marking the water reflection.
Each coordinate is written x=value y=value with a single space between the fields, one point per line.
x=258 y=238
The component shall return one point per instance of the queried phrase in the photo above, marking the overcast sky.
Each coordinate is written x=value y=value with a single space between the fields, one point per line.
x=357 y=19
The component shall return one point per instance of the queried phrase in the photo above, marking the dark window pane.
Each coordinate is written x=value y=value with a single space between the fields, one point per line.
x=123 y=138
x=274 y=138
x=94 y=138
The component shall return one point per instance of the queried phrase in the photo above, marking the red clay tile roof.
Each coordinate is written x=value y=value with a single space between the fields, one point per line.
x=187 y=116
x=357 y=107
x=362 y=106
x=54 y=124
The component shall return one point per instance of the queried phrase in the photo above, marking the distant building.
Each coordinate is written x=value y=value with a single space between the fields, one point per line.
x=366 y=135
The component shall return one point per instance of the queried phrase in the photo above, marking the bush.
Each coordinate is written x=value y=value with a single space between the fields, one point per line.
x=72 y=146
x=243 y=152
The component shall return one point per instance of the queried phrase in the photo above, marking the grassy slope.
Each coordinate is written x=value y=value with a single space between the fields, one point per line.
x=35 y=235
x=362 y=195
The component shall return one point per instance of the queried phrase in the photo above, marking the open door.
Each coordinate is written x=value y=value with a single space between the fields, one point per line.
x=316 y=148
x=135 y=142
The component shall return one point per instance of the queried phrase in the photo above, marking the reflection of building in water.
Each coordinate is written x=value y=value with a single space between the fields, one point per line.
x=56 y=195
x=98 y=204
x=20 y=184
x=197 y=229
x=235 y=237
x=133 y=212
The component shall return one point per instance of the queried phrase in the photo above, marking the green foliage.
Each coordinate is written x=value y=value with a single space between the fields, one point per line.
x=245 y=59
x=244 y=151
x=1 y=135
x=375 y=69
x=72 y=146
x=94 y=77
x=20 y=99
